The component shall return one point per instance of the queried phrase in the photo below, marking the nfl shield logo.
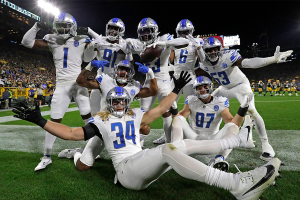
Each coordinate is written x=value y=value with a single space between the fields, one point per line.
x=76 y=43
x=132 y=92
x=216 y=108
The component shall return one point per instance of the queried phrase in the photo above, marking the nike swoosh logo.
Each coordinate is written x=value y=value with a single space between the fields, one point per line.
x=269 y=174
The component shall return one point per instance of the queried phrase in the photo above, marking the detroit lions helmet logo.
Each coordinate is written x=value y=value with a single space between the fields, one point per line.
x=224 y=65
x=216 y=108
x=132 y=92
x=76 y=43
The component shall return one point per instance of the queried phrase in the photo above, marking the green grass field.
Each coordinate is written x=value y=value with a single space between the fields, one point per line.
x=22 y=143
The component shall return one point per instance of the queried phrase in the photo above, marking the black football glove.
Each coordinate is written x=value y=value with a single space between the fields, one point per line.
x=28 y=114
x=179 y=83
x=42 y=25
x=82 y=30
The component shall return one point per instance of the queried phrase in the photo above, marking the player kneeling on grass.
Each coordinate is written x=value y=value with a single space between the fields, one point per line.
x=135 y=168
x=205 y=114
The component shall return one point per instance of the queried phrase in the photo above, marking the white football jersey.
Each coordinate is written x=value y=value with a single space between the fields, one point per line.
x=159 y=66
x=185 y=58
x=67 y=57
x=106 y=83
x=110 y=53
x=206 y=118
x=121 y=136
x=224 y=72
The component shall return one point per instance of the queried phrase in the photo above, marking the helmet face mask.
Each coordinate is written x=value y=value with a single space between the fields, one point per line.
x=147 y=31
x=212 y=49
x=65 y=25
x=115 y=28
x=202 y=87
x=118 y=101
x=184 y=27
x=124 y=72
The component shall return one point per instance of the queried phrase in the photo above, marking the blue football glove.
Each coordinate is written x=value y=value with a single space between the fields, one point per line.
x=99 y=63
x=142 y=68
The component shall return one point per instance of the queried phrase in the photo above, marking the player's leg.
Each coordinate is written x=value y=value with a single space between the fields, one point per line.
x=84 y=160
x=95 y=99
x=60 y=102
x=81 y=96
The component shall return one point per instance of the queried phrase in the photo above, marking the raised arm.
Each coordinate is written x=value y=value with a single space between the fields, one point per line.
x=29 y=40
x=153 y=89
x=185 y=112
x=167 y=102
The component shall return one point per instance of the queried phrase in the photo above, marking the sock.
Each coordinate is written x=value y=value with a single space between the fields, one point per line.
x=167 y=128
x=49 y=141
x=142 y=138
x=86 y=121
x=77 y=155
x=230 y=143
x=221 y=179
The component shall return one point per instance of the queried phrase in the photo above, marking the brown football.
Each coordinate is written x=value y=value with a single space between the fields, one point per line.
x=150 y=54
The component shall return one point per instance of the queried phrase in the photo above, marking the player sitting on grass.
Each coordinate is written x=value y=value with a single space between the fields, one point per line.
x=135 y=168
x=205 y=114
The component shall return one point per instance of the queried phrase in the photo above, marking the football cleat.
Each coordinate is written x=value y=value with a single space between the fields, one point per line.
x=253 y=183
x=268 y=152
x=245 y=135
x=43 y=164
x=219 y=163
x=69 y=153
x=160 y=140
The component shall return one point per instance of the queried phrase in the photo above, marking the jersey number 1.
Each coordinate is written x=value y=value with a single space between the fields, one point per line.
x=65 y=57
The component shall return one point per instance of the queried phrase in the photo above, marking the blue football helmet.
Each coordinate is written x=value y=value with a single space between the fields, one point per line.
x=212 y=42
x=147 y=30
x=203 y=80
x=115 y=28
x=118 y=98
x=120 y=75
x=65 y=25
x=184 y=27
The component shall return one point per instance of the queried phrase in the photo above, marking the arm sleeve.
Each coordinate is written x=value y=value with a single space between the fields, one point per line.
x=89 y=53
x=90 y=130
x=29 y=37
x=92 y=33
x=177 y=42
x=257 y=62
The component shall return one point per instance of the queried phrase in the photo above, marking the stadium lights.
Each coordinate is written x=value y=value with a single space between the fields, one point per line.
x=48 y=7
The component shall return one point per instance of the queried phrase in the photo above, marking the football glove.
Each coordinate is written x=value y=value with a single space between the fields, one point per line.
x=280 y=57
x=42 y=25
x=99 y=64
x=31 y=115
x=158 y=43
x=194 y=42
x=142 y=68
x=82 y=30
x=180 y=82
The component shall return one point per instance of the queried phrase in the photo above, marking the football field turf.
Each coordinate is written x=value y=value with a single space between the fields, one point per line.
x=22 y=144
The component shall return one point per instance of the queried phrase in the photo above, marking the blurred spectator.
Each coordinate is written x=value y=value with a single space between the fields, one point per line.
x=31 y=93
x=5 y=97
x=40 y=94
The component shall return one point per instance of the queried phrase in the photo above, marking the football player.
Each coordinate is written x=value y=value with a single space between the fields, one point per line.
x=274 y=88
x=260 y=88
x=148 y=34
x=286 y=88
x=123 y=77
x=68 y=51
x=278 y=88
x=269 y=88
x=293 y=87
x=136 y=169
x=224 y=68
x=253 y=87
x=184 y=60
x=206 y=113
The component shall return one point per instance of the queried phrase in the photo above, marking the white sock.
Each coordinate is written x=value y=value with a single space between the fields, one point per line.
x=86 y=121
x=221 y=179
x=167 y=127
x=77 y=155
x=142 y=138
x=49 y=141
x=230 y=143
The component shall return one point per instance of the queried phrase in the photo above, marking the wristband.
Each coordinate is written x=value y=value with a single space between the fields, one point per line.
x=242 y=111
x=150 y=74
x=42 y=122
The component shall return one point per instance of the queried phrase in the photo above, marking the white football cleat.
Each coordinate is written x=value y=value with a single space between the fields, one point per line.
x=253 y=183
x=69 y=153
x=245 y=135
x=43 y=164
x=219 y=163
x=160 y=140
x=268 y=151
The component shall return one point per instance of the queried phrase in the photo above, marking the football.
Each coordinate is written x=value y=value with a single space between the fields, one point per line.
x=150 y=54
